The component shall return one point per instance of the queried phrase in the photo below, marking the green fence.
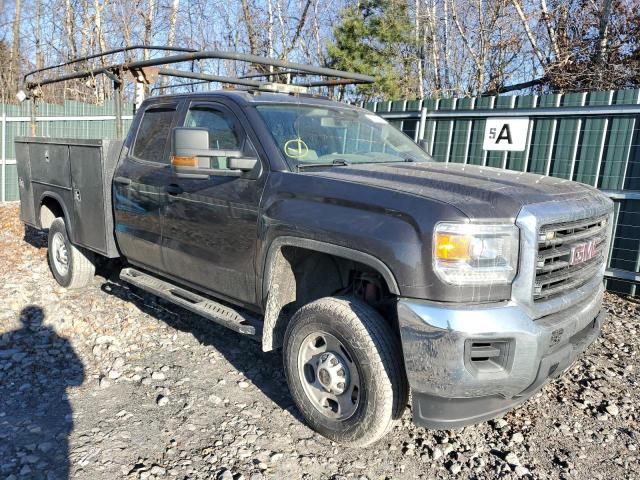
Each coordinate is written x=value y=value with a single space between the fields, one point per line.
x=69 y=119
x=589 y=137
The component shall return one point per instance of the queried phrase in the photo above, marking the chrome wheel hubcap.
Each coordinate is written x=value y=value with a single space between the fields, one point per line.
x=60 y=254
x=329 y=376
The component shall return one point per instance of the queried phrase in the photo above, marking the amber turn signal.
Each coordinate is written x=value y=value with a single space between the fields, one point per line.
x=452 y=247
x=177 y=161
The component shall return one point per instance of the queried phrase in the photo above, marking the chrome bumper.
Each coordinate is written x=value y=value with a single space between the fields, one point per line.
x=448 y=389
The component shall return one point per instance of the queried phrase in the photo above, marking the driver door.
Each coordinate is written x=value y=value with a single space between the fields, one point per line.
x=210 y=225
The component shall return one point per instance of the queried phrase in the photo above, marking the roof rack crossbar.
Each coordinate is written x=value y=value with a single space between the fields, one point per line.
x=273 y=74
x=172 y=72
x=332 y=82
x=176 y=85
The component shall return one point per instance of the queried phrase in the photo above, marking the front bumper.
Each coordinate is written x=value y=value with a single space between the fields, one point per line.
x=452 y=386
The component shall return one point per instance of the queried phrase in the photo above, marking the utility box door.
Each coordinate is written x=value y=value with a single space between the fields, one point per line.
x=27 y=210
x=88 y=196
x=50 y=164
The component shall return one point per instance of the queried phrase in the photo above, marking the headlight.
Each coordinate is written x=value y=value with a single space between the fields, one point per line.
x=468 y=254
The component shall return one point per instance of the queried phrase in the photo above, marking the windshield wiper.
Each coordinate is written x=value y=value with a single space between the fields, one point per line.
x=338 y=162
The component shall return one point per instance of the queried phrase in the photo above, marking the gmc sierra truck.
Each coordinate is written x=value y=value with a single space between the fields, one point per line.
x=316 y=227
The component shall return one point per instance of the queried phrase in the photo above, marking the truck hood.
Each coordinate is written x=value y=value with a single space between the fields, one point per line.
x=479 y=192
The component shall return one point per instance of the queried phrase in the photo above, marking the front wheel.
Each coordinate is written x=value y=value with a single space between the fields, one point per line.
x=344 y=368
x=71 y=266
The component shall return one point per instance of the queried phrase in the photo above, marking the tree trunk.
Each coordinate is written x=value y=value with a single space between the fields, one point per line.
x=173 y=20
x=420 y=50
x=85 y=42
x=69 y=27
x=603 y=31
x=550 y=30
x=14 y=74
x=446 y=43
x=148 y=27
x=283 y=30
x=270 y=31
x=102 y=45
x=38 y=35
x=251 y=31
x=171 y=36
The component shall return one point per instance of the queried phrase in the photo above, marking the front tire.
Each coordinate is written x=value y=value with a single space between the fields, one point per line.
x=71 y=266
x=345 y=371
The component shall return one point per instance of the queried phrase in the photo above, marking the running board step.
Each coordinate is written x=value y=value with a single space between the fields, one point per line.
x=236 y=320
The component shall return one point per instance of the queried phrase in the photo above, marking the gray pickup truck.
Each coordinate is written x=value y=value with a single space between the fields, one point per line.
x=316 y=227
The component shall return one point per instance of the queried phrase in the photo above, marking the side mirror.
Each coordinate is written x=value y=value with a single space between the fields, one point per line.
x=190 y=141
x=244 y=164
x=192 y=157
x=424 y=145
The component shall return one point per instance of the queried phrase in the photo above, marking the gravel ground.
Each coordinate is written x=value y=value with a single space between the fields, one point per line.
x=106 y=383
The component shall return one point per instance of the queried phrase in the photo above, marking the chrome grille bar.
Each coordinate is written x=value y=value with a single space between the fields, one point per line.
x=557 y=243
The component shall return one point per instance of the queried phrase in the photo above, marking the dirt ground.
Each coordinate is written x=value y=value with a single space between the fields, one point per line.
x=106 y=382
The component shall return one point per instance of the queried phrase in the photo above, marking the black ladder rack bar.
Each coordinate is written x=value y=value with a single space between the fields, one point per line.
x=115 y=70
x=192 y=56
x=110 y=52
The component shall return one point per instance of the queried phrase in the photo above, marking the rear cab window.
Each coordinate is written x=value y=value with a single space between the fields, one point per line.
x=153 y=134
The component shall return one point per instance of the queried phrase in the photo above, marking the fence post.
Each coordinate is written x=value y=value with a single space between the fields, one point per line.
x=422 y=124
x=3 y=157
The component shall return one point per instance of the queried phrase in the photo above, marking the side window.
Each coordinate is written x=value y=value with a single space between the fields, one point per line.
x=153 y=134
x=224 y=133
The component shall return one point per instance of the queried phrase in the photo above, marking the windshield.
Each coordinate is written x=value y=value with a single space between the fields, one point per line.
x=319 y=136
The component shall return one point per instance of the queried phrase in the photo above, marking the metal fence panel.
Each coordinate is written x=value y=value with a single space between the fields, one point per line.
x=570 y=136
x=69 y=119
x=589 y=137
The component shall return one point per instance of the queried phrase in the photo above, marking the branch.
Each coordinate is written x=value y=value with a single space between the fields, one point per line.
x=603 y=31
x=517 y=86
x=474 y=57
x=303 y=20
x=550 y=30
x=525 y=24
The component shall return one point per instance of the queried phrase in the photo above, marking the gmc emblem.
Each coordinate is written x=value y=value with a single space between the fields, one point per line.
x=582 y=252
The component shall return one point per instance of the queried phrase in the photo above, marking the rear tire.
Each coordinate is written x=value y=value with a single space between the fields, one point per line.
x=72 y=267
x=344 y=367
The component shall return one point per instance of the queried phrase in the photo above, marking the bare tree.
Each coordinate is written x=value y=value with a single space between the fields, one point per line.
x=247 y=17
x=148 y=17
x=69 y=26
x=14 y=65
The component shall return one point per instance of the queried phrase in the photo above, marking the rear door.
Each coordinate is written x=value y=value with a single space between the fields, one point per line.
x=210 y=225
x=140 y=180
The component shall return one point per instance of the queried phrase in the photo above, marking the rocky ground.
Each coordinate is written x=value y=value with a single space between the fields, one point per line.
x=106 y=382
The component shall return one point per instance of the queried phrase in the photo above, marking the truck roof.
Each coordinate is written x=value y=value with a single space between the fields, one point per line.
x=251 y=96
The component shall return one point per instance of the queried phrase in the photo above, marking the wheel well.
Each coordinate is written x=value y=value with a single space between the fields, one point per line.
x=50 y=209
x=300 y=276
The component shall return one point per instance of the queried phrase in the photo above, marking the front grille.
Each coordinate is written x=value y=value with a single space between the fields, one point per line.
x=569 y=255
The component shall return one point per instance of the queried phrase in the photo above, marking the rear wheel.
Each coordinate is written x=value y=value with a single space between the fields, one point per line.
x=344 y=368
x=72 y=267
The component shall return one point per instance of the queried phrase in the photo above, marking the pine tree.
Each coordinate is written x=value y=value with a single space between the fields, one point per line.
x=375 y=38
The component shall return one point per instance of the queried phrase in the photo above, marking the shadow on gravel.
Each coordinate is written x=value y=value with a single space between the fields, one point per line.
x=263 y=369
x=36 y=368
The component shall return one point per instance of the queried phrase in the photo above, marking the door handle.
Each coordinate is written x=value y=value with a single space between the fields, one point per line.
x=174 y=189
x=122 y=180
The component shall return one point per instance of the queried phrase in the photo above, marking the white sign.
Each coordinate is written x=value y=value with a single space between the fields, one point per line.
x=506 y=134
